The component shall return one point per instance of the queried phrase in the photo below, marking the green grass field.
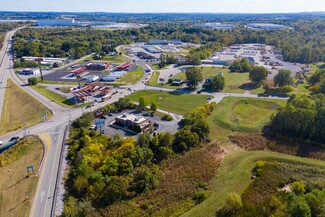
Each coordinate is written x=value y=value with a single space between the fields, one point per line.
x=117 y=60
x=242 y=114
x=154 y=82
x=155 y=66
x=233 y=80
x=154 y=79
x=16 y=188
x=58 y=99
x=19 y=107
x=176 y=103
x=132 y=77
x=234 y=176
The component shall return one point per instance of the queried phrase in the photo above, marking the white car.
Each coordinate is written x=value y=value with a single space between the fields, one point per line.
x=1 y=143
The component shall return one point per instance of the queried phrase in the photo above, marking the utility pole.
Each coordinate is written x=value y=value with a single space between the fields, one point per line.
x=39 y=60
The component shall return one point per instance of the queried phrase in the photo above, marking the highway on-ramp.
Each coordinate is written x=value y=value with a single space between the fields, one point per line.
x=52 y=130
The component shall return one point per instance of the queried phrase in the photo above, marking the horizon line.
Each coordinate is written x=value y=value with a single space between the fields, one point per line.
x=301 y=12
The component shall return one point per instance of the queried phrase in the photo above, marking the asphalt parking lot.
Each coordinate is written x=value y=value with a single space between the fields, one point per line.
x=164 y=126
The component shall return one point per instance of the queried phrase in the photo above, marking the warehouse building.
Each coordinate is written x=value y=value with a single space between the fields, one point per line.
x=57 y=22
x=97 y=66
x=267 y=26
x=218 y=25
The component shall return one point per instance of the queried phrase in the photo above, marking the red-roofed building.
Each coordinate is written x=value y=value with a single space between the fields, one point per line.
x=79 y=71
x=97 y=66
x=124 y=66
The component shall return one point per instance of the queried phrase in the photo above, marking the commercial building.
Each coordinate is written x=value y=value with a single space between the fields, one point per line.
x=30 y=71
x=267 y=26
x=97 y=66
x=79 y=71
x=124 y=66
x=57 y=22
x=144 y=55
x=164 y=42
x=130 y=120
x=151 y=49
x=218 y=25
x=117 y=74
x=47 y=61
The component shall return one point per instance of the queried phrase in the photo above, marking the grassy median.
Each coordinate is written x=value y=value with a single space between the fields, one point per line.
x=132 y=77
x=17 y=188
x=20 y=108
x=57 y=98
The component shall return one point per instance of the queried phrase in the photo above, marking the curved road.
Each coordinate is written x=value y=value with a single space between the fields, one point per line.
x=52 y=130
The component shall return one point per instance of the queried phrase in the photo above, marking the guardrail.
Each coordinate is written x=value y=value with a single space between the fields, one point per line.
x=58 y=176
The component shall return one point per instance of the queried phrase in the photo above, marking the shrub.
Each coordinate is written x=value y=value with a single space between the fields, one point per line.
x=55 y=65
x=286 y=89
x=200 y=196
x=167 y=118
x=32 y=81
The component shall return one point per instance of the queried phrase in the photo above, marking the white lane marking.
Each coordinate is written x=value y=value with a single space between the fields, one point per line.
x=42 y=195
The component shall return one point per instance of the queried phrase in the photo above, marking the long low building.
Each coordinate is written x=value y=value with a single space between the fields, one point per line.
x=46 y=61
x=267 y=26
x=29 y=71
x=218 y=25
x=97 y=66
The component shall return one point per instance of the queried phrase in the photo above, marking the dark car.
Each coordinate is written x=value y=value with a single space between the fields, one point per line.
x=14 y=138
x=146 y=114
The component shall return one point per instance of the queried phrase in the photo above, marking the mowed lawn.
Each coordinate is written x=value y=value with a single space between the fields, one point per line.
x=16 y=188
x=117 y=60
x=154 y=82
x=57 y=98
x=243 y=114
x=234 y=176
x=172 y=102
x=154 y=79
x=19 y=107
x=233 y=80
x=132 y=77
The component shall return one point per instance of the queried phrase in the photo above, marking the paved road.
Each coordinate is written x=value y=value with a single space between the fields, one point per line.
x=52 y=130
x=4 y=57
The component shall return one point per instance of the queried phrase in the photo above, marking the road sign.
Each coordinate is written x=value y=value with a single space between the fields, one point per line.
x=43 y=117
x=100 y=123
x=30 y=168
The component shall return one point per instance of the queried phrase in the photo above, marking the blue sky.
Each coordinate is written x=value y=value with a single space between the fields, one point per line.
x=216 y=6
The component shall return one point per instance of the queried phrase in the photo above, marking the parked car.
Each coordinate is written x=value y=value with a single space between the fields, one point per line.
x=110 y=114
x=209 y=98
x=94 y=103
x=1 y=143
x=14 y=138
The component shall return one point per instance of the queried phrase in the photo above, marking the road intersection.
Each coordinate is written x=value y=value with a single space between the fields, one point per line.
x=52 y=130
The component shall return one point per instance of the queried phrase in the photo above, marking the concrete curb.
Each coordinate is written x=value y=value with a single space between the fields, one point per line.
x=58 y=176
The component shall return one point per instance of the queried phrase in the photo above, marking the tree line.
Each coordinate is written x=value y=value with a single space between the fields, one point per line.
x=303 y=117
x=304 y=43
x=105 y=170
